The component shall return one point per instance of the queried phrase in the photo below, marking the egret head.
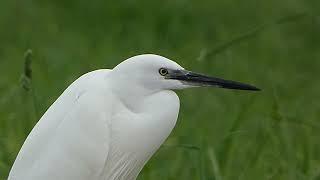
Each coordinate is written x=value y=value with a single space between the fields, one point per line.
x=159 y=73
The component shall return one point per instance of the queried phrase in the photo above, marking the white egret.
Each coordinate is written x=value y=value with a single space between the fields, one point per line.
x=108 y=123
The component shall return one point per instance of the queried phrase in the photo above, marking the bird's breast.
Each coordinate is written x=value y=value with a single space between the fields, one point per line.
x=147 y=129
x=139 y=134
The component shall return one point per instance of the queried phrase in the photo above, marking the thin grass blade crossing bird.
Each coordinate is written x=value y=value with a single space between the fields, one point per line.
x=108 y=123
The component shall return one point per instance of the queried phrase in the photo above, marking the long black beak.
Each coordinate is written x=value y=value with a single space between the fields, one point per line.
x=195 y=79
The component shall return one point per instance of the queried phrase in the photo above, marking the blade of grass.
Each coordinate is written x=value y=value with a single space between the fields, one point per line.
x=26 y=81
x=190 y=148
x=251 y=33
x=226 y=150
x=214 y=164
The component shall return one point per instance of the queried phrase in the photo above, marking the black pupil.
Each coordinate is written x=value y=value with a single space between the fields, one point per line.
x=163 y=71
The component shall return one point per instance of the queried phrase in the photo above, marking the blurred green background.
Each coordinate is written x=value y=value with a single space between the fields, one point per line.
x=220 y=134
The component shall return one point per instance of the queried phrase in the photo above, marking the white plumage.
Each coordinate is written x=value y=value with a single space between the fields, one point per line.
x=92 y=132
x=108 y=123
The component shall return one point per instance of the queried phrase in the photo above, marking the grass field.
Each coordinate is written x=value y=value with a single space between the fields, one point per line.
x=275 y=45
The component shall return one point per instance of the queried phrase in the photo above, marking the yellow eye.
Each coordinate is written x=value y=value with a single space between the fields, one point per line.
x=163 y=71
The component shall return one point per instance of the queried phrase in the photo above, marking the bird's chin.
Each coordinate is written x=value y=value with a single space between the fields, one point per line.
x=190 y=84
x=183 y=85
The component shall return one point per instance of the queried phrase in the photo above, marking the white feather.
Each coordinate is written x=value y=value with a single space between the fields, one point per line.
x=105 y=126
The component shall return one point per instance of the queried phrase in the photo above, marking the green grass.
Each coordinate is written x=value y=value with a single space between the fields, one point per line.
x=220 y=134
